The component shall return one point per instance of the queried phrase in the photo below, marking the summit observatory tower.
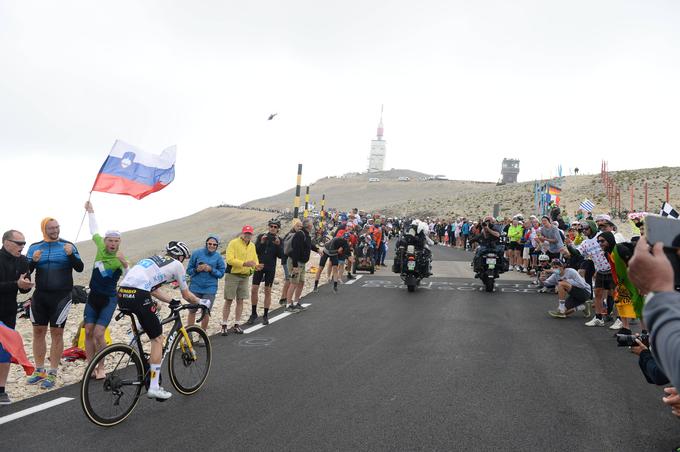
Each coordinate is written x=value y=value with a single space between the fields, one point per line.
x=376 y=159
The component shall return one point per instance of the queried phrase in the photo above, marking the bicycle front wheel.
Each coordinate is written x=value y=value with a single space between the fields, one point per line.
x=109 y=401
x=188 y=371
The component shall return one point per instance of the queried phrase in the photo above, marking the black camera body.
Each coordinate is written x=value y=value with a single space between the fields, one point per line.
x=629 y=340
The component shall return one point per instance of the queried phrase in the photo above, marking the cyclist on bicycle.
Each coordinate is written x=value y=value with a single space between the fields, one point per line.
x=143 y=281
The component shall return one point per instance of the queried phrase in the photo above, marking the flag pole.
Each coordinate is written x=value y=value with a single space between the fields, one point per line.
x=89 y=197
x=82 y=221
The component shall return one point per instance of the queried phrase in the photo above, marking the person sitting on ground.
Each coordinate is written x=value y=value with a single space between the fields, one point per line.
x=573 y=293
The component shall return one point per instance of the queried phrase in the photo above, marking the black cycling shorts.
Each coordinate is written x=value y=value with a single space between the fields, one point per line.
x=50 y=307
x=604 y=281
x=266 y=275
x=139 y=303
x=324 y=258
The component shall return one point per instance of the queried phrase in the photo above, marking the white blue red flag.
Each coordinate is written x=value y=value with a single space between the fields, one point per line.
x=130 y=171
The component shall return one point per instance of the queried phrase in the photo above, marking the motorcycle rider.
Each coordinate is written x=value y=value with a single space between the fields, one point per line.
x=489 y=240
x=417 y=234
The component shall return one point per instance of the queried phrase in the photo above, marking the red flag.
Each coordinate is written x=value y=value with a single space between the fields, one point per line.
x=14 y=345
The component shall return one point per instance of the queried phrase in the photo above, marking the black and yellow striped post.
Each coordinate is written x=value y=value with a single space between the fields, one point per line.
x=323 y=209
x=306 y=213
x=296 y=206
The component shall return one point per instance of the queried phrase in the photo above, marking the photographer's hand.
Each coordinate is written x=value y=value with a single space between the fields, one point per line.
x=672 y=399
x=650 y=272
x=639 y=348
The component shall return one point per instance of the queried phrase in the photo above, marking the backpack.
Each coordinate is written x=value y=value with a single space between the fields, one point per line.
x=288 y=244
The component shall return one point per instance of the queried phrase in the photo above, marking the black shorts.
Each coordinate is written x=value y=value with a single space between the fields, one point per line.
x=604 y=281
x=139 y=303
x=576 y=297
x=266 y=274
x=515 y=246
x=50 y=307
x=324 y=257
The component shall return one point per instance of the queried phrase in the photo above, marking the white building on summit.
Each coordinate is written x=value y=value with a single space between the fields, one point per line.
x=376 y=159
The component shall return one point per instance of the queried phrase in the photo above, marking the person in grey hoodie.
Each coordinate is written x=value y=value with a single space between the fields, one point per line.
x=652 y=273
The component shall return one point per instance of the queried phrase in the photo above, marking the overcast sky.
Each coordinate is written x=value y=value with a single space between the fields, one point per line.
x=464 y=83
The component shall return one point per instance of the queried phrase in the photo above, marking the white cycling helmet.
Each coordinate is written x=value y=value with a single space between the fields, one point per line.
x=177 y=249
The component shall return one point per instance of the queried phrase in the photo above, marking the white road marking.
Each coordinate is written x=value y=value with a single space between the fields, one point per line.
x=356 y=278
x=35 y=409
x=272 y=320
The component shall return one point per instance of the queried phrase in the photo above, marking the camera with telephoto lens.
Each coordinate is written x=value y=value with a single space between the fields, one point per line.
x=629 y=340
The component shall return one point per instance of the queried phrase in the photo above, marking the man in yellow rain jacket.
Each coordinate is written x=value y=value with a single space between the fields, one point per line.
x=241 y=263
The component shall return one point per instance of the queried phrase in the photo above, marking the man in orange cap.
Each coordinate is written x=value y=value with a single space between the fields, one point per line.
x=54 y=260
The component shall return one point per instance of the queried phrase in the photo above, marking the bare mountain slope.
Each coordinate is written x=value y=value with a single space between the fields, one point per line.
x=447 y=198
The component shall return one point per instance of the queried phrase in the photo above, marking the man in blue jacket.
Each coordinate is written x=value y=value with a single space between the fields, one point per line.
x=205 y=267
x=54 y=260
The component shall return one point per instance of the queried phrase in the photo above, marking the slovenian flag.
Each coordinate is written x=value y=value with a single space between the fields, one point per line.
x=130 y=171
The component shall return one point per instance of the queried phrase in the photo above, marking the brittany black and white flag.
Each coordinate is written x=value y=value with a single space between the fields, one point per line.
x=668 y=211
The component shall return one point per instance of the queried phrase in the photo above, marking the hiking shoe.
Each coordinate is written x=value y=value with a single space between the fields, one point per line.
x=4 y=399
x=335 y=289
x=557 y=315
x=49 y=382
x=316 y=289
x=36 y=377
x=225 y=330
x=350 y=276
x=236 y=329
x=265 y=319
x=299 y=307
x=283 y=301
x=595 y=322
x=617 y=325
x=251 y=319
x=291 y=308
x=158 y=393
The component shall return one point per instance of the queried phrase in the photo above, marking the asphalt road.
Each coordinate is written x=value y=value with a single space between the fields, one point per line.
x=377 y=368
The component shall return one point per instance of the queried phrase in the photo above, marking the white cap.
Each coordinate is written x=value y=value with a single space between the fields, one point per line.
x=112 y=234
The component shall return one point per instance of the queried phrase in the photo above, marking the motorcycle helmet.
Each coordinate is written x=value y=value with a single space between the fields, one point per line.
x=543 y=258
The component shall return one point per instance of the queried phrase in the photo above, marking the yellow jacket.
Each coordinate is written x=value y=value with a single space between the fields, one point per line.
x=238 y=253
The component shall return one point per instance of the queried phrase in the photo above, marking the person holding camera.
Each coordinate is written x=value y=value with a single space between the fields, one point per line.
x=652 y=273
x=489 y=239
x=269 y=247
x=206 y=267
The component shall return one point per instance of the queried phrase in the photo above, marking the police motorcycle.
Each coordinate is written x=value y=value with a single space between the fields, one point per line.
x=489 y=265
x=413 y=258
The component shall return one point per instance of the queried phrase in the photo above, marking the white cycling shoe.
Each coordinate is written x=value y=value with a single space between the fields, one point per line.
x=158 y=393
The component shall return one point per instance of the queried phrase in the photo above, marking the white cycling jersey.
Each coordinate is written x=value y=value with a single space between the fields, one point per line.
x=150 y=273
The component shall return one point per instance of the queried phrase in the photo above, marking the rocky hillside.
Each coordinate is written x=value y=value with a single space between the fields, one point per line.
x=452 y=198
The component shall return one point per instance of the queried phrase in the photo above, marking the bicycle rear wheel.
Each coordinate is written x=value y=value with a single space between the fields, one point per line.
x=109 y=401
x=187 y=374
